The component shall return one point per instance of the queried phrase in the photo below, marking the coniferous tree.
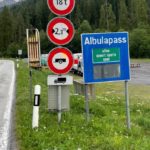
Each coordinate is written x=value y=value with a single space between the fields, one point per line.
x=123 y=15
x=20 y=28
x=76 y=17
x=5 y=30
x=85 y=27
x=107 y=18
x=139 y=13
x=142 y=11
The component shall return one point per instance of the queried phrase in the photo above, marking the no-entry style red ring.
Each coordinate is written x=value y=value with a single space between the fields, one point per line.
x=50 y=35
x=56 y=11
x=56 y=51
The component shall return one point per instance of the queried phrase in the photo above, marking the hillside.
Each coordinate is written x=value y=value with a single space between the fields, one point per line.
x=88 y=16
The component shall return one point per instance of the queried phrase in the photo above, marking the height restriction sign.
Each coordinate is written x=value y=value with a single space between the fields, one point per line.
x=61 y=7
x=60 y=60
x=60 y=31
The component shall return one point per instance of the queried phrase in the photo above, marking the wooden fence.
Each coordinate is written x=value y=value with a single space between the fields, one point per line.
x=33 y=46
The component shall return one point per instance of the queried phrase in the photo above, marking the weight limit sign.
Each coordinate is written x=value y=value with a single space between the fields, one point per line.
x=61 y=7
x=60 y=31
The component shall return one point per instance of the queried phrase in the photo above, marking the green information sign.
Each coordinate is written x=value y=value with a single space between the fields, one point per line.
x=106 y=55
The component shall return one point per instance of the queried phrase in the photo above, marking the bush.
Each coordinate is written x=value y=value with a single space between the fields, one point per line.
x=12 y=50
x=140 y=43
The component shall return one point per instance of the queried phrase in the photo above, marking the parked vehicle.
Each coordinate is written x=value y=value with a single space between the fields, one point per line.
x=44 y=59
x=80 y=66
x=76 y=62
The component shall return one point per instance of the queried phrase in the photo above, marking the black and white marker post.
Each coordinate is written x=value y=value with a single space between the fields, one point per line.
x=35 y=117
x=17 y=60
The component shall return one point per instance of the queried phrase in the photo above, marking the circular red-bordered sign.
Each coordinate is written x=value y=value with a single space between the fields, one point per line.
x=61 y=7
x=60 y=60
x=60 y=31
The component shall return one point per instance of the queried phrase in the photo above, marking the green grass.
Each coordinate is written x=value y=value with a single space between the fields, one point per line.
x=106 y=129
x=140 y=60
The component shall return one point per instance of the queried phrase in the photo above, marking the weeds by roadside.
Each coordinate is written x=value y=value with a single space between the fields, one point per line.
x=105 y=131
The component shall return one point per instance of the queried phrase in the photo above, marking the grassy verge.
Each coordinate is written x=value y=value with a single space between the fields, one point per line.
x=140 y=60
x=106 y=129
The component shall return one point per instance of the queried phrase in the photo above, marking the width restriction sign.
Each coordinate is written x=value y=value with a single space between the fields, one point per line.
x=61 y=7
x=60 y=60
x=60 y=31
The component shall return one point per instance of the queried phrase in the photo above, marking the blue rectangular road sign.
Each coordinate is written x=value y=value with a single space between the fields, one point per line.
x=105 y=57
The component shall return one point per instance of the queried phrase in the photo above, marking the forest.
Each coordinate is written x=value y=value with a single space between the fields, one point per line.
x=92 y=16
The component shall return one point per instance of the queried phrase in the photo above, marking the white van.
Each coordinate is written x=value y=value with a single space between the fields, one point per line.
x=76 y=57
x=80 y=66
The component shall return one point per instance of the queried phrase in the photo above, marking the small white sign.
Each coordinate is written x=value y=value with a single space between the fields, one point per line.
x=61 y=4
x=60 y=61
x=19 y=52
x=60 y=31
x=59 y=80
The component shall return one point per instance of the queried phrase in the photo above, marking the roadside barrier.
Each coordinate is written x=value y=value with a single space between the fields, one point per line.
x=135 y=65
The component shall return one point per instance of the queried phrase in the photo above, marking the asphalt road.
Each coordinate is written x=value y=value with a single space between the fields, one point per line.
x=141 y=75
x=7 y=92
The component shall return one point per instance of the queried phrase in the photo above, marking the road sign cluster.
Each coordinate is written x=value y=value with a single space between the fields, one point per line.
x=60 y=31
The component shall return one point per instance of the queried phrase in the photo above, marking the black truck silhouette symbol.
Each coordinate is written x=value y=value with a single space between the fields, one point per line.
x=60 y=60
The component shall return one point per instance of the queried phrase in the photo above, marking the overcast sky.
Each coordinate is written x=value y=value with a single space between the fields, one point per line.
x=5 y=0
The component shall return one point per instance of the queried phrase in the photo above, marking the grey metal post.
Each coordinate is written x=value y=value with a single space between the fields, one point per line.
x=59 y=104
x=127 y=105
x=30 y=74
x=87 y=103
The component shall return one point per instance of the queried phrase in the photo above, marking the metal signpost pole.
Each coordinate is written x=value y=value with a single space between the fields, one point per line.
x=30 y=74
x=59 y=104
x=87 y=103
x=127 y=105
x=63 y=63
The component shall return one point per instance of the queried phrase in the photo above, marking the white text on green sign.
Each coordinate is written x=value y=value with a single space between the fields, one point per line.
x=106 y=55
